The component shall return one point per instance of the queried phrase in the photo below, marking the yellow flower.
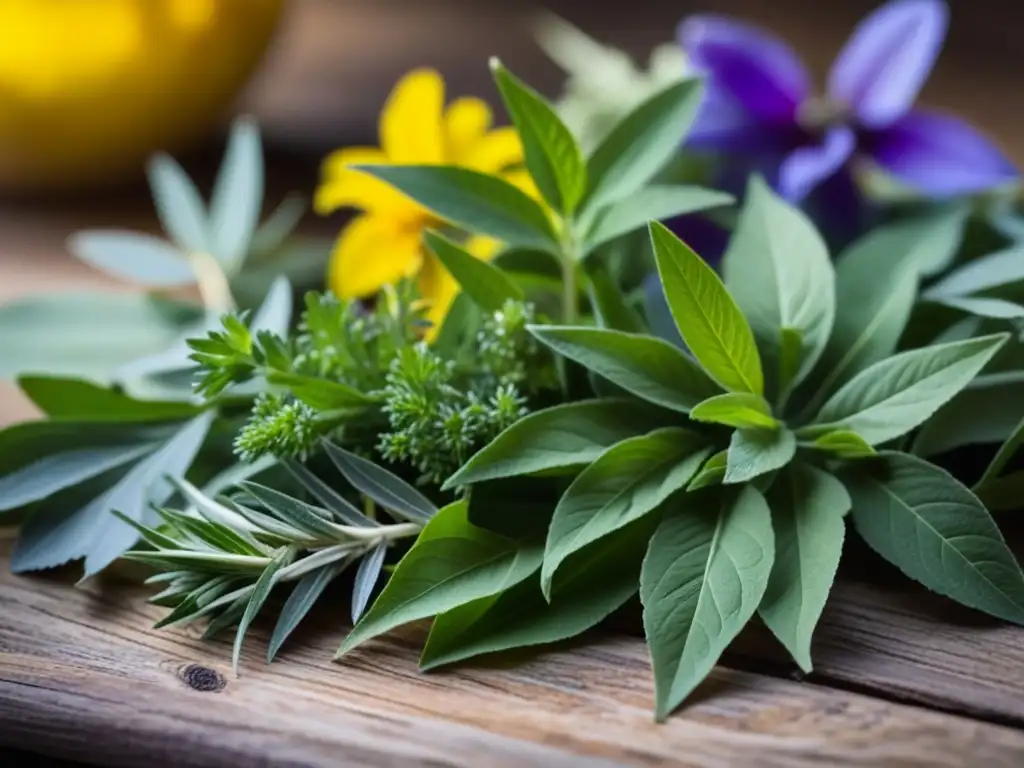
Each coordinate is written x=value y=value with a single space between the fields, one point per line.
x=383 y=244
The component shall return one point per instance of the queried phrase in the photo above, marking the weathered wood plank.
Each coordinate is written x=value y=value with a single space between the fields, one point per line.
x=83 y=673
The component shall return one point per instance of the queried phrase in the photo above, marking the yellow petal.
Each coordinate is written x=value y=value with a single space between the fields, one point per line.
x=439 y=290
x=522 y=179
x=372 y=251
x=482 y=247
x=343 y=187
x=465 y=122
x=411 y=124
x=495 y=151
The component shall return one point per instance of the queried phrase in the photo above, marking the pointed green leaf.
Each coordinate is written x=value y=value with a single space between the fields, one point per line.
x=778 y=270
x=487 y=285
x=981 y=306
x=452 y=563
x=133 y=256
x=310 y=520
x=1000 y=494
x=343 y=511
x=366 y=579
x=1006 y=452
x=322 y=394
x=260 y=593
x=552 y=155
x=987 y=411
x=808 y=506
x=475 y=201
x=756 y=452
x=707 y=317
x=647 y=367
x=642 y=143
x=562 y=438
x=237 y=196
x=736 y=409
x=300 y=601
x=628 y=481
x=657 y=202
x=178 y=203
x=992 y=271
x=610 y=306
x=704 y=575
x=71 y=398
x=589 y=587
x=791 y=345
x=712 y=473
x=897 y=394
x=385 y=488
x=844 y=444
x=923 y=521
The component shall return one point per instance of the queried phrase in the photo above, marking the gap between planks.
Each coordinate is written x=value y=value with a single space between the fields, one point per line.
x=83 y=674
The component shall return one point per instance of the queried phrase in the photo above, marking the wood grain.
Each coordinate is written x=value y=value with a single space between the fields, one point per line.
x=83 y=674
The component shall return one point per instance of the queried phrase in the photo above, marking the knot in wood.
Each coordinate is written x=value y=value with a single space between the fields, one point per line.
x=200 y=678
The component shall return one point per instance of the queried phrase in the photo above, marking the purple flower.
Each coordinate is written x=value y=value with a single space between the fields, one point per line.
x=759 y=103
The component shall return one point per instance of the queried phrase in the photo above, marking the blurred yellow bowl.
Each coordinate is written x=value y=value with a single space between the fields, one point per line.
x=89 y=88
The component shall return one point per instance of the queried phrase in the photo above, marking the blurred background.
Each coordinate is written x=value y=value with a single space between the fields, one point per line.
x=89 y=88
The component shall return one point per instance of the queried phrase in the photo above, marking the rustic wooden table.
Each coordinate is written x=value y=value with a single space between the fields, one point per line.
x=901 y=677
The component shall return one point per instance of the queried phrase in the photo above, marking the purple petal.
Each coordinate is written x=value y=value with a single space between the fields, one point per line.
x=759 y=71
x=888 y=58
x=723 y=124
x=702 y=235
x=940 y=155
x=806 y=167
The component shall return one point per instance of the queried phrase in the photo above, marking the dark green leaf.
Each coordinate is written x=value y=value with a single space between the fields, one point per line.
x=756 y=452
x=322 y=394
x=487 y=285
x=707 y=317
x=480 y=203
x=704 y=575
x=647 y=367
x=562 y=438
x=343 y=511
x=629 y=480
x=808 y=506
x=69 y=398
x=923 y=521
x=552 y=155
x=388 y=490
x=610 y=306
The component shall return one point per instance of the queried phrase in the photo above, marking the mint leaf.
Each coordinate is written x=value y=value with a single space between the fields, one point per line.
x=735 y=409
x=133 y=256
x=641 y=143
x=563 y=438
x=923 y=521
x=756 y=452
x=452 y=563
x=178 y=203
x=807 y=506
x=777 y=268
x=628 y=481
x=656 y=202
x=487 y=285
x=706 y=315
x=553 y=157
x=475 y=201
x=895 y=395
x=704 y=575
x=647 y=367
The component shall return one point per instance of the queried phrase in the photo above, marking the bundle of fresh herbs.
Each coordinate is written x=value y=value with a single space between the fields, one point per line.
x=496 y=402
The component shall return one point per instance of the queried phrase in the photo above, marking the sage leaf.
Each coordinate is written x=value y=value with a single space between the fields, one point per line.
x=649 y=368
x=592 y=584
x=475 y=201
x=92 y=531
x=366 y=579
x=72 y=398
x=385 y=488
x=451 y=563
x=178 y=203
x=133 y=256
x=931 y=527
x=992 y=271
x=756 y=452
x=260 y=593
x=334 y=502
x=487 y=285
x=988 y=411
x=844 y=444
x=641 y=143
x=553 y=157
x=777 y=268
x=611 y=309
x=897 y=394
x=302 y=598
x=704 y=575
x=735 y=409
x=46 y=476
x=706 y=315
x=1000 y=494
x=309 y=520
x=563 y=438
x=656 y=202
x=982 y=306
x=237 y=196
x=1006 y=452
x=712 y=473
x=807 y=506
x=629 y=480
